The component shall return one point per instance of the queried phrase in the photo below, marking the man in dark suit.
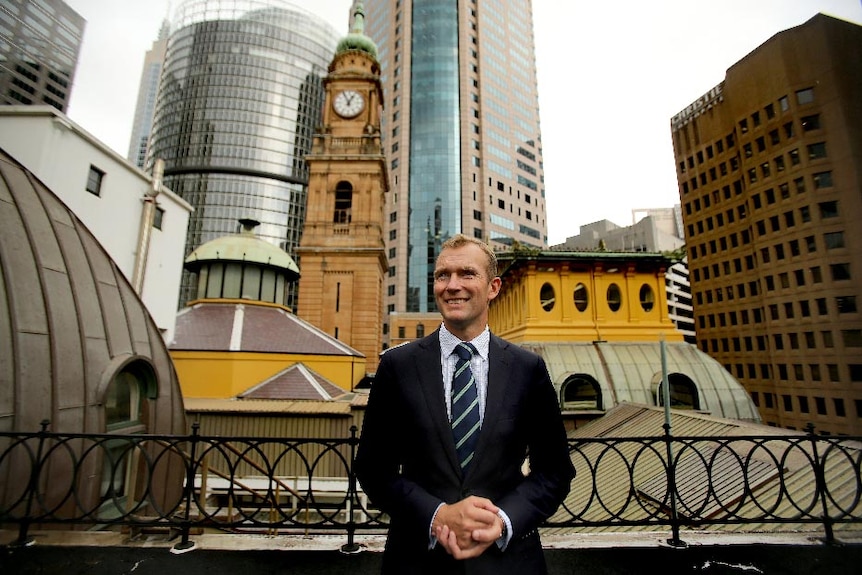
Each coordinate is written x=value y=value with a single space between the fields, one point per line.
x=472 y=508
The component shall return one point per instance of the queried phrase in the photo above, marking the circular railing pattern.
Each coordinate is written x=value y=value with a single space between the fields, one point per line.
x=304 y=485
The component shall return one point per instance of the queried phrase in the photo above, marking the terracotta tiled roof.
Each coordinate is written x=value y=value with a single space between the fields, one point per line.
x=295 y=382
x=251 y=327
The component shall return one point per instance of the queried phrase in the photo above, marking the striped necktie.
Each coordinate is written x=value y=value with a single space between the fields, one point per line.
x=465 y=406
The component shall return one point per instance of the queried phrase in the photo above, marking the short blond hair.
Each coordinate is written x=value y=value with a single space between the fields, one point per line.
x=460 y=240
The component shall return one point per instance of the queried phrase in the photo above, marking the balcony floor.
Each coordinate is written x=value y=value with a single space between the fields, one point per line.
x=100 y=553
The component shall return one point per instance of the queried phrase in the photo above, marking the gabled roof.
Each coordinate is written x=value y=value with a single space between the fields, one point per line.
x=295 y=382
x=218 y=325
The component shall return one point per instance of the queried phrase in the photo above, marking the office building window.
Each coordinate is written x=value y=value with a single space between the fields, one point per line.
x=828 y=209
x=805 y=96
x=811 y=122
x=833 y=240
x=846 y=304
x=838 y=404
x=822 y=180
x=817 y=150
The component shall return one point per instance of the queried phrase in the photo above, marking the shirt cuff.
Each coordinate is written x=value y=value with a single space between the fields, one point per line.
x=503 y=540
x=432 y=539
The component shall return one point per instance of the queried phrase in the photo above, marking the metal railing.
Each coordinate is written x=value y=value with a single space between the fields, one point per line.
x=304 y=485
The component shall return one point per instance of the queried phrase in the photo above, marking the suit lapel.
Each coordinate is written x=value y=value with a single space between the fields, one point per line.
x=431 y=383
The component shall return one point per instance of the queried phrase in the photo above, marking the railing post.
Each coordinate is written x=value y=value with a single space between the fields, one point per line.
x=186 y=545
x=820 y=482
x=351 y=547
x=674 y=541
x=23 y=539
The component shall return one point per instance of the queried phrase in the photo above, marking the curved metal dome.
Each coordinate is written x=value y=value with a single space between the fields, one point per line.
x=71 y=326
x=243 y=247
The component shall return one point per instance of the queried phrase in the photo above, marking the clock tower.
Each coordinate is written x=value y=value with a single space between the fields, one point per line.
x=342 y=252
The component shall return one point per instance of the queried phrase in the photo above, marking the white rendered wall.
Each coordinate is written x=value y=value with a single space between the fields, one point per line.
x=60 y=154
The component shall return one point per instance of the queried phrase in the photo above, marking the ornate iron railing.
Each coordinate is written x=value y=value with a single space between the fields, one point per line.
x=238 y=484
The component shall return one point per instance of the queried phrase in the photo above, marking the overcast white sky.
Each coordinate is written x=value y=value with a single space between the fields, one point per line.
x=611 y=75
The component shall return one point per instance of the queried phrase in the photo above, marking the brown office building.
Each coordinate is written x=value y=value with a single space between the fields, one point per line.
x=769 y=164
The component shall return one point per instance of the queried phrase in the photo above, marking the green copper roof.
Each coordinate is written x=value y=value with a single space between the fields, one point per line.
x=356 y=39
x=242 y=247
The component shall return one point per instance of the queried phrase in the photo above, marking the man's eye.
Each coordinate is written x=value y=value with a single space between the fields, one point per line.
x=441 y=277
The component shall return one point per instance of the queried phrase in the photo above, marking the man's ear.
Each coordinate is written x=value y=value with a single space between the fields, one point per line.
x=494 y=288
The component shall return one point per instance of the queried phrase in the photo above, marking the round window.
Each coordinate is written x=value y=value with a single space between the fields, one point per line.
x=647 y=298
x=581 y=297
x=547 y=297
x=615 y=297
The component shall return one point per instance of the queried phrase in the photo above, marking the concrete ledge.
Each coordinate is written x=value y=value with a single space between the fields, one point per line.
x=100 y=553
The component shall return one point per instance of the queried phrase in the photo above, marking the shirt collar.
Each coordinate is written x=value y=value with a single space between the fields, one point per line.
x=449 y=341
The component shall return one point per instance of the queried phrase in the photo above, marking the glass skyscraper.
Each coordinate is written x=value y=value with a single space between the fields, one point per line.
x=40 y=41
x=240 y=97
x=462 y=132
x=148 y=90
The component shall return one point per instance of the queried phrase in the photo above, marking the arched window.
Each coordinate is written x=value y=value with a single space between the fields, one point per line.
x=581 y=392
x=125 y=413
x=683 y=392
x=343 y=203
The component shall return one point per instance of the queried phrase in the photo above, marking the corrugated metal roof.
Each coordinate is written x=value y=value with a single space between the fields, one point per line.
x=601 y=488
x=268 y=406
x=251 y=327
x=630 y=372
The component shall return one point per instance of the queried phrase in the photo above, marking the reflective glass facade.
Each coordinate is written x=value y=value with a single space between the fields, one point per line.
x=435 y=166
x=461 y=131
x=241 y=94
x=147 y=93
x=40 y=41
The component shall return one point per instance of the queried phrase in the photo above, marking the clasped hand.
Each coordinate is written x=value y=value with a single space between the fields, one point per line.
x=465 y=529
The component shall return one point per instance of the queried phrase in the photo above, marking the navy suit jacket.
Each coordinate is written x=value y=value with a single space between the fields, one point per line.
x=407 y=465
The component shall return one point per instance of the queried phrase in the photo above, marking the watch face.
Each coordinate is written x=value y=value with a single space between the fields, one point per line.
x=348 y=103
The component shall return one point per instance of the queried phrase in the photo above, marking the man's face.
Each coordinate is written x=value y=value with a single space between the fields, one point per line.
x=463 y=289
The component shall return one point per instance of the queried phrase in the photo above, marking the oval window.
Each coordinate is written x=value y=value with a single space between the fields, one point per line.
x=615 y=297
x=547 y=297
x=581 y=297
x=647 y=298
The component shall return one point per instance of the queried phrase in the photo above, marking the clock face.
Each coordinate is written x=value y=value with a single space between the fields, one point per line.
x=348 y=103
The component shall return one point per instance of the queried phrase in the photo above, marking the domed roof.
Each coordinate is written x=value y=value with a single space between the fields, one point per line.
x=70 y=321
x=243 y=247
x=356 y=39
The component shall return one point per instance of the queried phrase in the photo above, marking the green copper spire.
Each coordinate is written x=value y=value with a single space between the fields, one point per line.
x=356 y=39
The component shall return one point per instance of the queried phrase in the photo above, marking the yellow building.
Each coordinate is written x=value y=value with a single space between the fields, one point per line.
x=236 y=337
x=600 y=321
